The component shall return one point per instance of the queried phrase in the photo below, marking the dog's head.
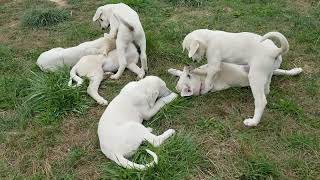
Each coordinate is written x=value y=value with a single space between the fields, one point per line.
x=103 y=15
x=154 y=88
x=196 y=49
x=189 y=83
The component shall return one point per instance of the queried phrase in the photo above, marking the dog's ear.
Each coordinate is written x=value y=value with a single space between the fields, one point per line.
x=186 y=91
x=175 y=72
x=194 y=45
x=98 y=14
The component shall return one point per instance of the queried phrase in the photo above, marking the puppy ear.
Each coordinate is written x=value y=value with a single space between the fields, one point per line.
x=175 y=72
x=193 y=48
x=186 y=91
x=98 y=14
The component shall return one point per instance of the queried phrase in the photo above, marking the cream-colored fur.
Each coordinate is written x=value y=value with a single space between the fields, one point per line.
x=94 y=67
x=120 y=128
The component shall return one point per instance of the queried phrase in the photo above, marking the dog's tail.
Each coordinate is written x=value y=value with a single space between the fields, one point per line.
x=74 y=76
x=283 y=41
x=124 y=22
x=122 y=161
x=291 y=72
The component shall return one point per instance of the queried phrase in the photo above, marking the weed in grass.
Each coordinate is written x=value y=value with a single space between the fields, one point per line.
x=302 y=141
x=44 y=17
x=179 y=157
x=187 y=2
x=288 y=107
x=50 y=97
x=259 y=167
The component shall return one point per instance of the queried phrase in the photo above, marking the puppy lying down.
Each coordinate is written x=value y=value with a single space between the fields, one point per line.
x=120 y=128
x=231 y=75
x=94 y=67
x=58 y=57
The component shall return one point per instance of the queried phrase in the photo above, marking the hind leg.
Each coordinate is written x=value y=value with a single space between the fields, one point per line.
x=156 y=141
x=267 y=85
x=143 y=56
x=257 y=80
x=135 y=69
x=93 y=88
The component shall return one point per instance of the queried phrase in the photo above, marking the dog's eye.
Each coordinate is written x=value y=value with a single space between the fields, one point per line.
x=189 y=76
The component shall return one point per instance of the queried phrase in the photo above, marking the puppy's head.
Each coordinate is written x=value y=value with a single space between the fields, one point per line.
x=154 y=88
x=196 y=49
x=189 y=83
x=102 y=15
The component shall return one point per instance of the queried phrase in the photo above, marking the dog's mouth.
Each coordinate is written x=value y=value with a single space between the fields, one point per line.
x=105 y=28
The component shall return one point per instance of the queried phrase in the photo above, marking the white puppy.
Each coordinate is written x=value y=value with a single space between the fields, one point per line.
x=58 y=57
x=124 y=24
x=120 y=130
x=230 y=75
x=260 y=53
x=94 y=66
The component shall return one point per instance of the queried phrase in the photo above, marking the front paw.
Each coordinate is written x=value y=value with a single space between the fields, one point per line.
x=170 y=98
x=141 y=75
x=250 y=122
x=115 y=77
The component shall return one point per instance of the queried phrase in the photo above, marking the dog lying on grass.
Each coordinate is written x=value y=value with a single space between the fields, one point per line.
x=58 y=57
x=258 y=52
x=95 y=66
x=120 y=128
x=191 y=82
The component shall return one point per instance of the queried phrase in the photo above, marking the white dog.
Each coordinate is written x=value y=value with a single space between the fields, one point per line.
x=120 y=130
x=94 y=67
x=191 y=82
x=58 y=57
x=124 y=24
x=260 y=53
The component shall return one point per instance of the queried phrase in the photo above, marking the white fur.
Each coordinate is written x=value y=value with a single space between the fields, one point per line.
x=120 y=130
x=94 y=66
x=191 y=82
x=58 y=57
x=260 y=53
x=111 y=15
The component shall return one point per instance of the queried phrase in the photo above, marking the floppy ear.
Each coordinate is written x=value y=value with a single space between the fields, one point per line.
x=193 y=48
x=186 y=91
x=175 y=72
x=152 y=96
x=98 y=14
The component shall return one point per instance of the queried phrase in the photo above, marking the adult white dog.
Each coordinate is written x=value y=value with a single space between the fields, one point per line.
x=124 y=24
x=120 y=130
x=260 y=53
x=58 y=57
x=94 y=67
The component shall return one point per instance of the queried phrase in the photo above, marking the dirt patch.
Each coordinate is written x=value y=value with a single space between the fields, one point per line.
x=61 y=3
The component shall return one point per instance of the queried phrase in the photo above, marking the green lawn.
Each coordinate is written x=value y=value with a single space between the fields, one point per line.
x=48 y=130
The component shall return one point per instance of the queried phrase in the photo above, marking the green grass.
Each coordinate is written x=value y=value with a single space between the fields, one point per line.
x=48 y=130
x=41 y=17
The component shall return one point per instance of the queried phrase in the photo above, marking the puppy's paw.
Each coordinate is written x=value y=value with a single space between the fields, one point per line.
x=170 y=98
x=250 y=122
x=168 y=133
x=141 y=75
x=296 y=71
x=103 y=102
x=114 y=77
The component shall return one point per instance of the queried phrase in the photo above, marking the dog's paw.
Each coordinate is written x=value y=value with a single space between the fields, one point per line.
x=114 y=77
x=141 y=75
x=149 y=129
x=102 y=102
x=170 y=98
x=250 y=122
x=168 y=133
x=296 y=71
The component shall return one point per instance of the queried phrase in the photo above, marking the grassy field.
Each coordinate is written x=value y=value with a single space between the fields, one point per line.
x=48 y=130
